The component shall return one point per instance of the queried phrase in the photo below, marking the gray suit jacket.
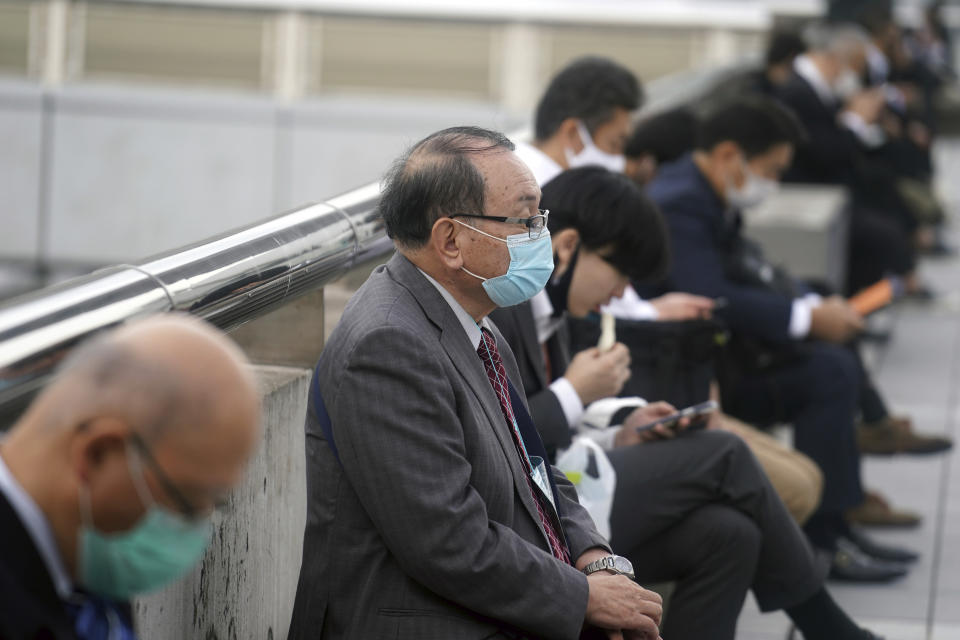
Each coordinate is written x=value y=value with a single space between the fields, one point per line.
x=427 y=529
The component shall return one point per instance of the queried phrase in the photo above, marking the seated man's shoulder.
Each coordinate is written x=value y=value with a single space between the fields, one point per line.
x=677 y=199
x=382 y=310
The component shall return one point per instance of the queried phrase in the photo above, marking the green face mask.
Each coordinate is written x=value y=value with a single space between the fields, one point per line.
x=161 y=547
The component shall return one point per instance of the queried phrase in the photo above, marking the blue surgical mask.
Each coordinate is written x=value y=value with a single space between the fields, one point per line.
x=531 y=264
x=161 y=547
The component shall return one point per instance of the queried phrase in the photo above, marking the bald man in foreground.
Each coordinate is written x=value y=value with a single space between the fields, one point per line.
x=107 y=482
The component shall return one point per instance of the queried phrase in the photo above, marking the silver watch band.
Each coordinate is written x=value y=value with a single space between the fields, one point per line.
x=613 y=563
x=605 y=563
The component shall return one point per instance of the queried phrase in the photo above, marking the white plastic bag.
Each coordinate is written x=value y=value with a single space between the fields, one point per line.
x=588 y=468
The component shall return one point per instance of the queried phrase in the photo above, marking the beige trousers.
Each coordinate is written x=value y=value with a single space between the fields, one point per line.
x=795 y=477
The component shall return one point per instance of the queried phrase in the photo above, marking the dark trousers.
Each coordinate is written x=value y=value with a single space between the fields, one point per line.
x=873 y=407
x=879 y=247
x=820 y=395
x=699 y=510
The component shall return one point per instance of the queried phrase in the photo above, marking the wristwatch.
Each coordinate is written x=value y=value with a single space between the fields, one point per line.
x=616 y=564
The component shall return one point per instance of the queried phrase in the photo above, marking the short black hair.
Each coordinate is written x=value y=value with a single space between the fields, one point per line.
x=436 y=178
x=588 y=89
x=666 y=136
x=613 y=216
x=755 y=124
x=783 y=46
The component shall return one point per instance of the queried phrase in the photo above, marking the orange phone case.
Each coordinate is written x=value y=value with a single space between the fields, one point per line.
x=874 y=297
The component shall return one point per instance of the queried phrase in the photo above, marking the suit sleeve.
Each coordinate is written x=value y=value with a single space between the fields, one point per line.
x=402 y=448
x=829 y=147
x=581 y=531
x=698 y=268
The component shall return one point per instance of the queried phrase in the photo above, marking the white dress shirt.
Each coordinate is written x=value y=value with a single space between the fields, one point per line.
x=801 y=316
x=37 y=526
x=630 y=307
x=543 y=167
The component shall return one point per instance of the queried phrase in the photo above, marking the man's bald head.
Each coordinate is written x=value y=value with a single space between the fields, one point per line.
x=163 y=375
x=170 y=391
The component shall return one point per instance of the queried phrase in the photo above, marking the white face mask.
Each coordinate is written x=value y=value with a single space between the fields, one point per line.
x=755 y=190
x=847 y=84
x=592 y=156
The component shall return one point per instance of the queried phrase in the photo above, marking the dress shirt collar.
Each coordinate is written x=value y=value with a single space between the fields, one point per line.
x=807 y=70
x=543 y=167
x=466 y=320
x=38 y=528
x=543 y=316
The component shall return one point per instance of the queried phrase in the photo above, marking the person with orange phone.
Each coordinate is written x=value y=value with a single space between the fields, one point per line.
x=795 y=360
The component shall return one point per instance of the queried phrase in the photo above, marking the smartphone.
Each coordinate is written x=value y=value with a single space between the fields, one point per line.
x=671 y=421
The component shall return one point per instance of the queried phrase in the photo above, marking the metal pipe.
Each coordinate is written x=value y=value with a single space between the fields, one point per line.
x=227 y=280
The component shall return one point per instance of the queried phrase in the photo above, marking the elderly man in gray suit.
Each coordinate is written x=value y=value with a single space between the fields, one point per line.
x=431 y=511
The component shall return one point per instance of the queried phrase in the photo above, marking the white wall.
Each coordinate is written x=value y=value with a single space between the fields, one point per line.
x=132 y=172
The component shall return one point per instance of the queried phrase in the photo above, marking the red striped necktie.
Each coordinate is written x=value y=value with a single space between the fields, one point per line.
x=498 y=380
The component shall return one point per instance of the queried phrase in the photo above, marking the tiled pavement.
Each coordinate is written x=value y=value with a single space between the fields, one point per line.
x=919 y=373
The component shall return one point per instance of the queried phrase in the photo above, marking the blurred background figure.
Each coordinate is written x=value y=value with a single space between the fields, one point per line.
x=657 y=140
x=782 y=49
x=132 y=128
x=108 y=480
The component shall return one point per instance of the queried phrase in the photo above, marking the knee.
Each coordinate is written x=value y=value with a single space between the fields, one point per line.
x=731 y=538
x=835 y=370
x=724 y=441
x=802 y=491
x=814 y=479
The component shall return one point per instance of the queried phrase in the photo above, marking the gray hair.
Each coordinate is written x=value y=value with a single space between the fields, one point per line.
x=838 y=39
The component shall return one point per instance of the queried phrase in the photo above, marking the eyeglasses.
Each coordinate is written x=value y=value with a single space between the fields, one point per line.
x=184 y=506
x=534 y=224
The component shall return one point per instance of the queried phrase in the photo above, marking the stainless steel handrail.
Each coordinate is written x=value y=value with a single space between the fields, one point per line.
x=227 y=280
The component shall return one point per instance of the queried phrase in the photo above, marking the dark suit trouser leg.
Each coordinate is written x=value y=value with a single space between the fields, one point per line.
x=879 y=247
x=820 y=396
x=711 y=479
x=872 y=405
x=712 y=554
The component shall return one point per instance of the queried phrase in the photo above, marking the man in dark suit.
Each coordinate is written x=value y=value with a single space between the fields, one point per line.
x=431 y=510
x=696 y=508
x=107 y=479
x=843 y=136
x=798 y=367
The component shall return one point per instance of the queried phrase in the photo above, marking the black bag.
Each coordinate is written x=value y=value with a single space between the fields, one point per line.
x=671 y=361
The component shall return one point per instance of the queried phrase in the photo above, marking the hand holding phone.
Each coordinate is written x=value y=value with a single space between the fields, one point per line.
x=674 y=420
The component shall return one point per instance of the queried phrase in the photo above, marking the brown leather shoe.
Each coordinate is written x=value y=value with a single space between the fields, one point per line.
x=896 y=435
x=875 y=511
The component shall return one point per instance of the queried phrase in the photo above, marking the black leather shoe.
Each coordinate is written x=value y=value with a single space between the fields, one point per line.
x=849 y=564
x=879 y=551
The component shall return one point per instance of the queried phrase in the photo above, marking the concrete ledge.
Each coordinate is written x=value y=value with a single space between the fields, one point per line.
x=804 y=228
x=245 y=585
